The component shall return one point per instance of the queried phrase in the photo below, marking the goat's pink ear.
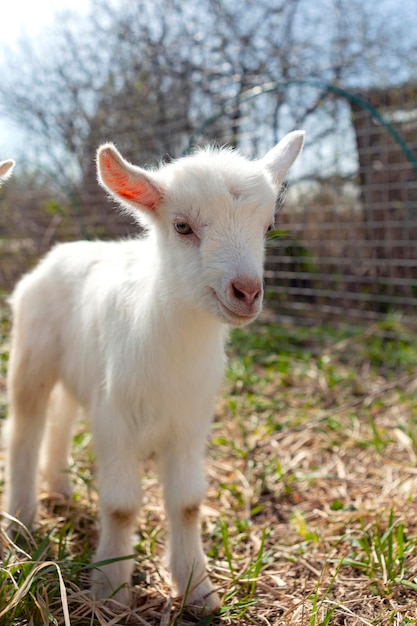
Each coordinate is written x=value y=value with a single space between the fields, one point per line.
x=128 y=183
x=6 y=168
x=278 y=161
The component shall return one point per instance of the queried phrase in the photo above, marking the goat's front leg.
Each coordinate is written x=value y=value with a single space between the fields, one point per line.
x=183 y=481
x=120 y=499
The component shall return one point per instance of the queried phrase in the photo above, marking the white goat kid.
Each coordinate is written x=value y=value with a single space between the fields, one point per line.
x=134 y=332
x=6 y=168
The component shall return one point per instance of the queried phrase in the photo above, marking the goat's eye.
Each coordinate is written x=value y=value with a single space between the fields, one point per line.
x=183 y=228
x=270 y=228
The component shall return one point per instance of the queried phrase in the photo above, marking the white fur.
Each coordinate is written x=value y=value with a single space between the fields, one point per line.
x=133 y=331
x=6 y=168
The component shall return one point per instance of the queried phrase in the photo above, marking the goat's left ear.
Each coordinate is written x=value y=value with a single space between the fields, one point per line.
x=130 y=185
x=278 y=161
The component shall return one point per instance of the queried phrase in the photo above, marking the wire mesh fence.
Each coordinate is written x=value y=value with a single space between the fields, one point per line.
x=349 y=249
x=345 y=245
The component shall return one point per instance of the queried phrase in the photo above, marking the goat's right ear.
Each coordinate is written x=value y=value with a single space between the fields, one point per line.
x=129 y=184
x=6 y=168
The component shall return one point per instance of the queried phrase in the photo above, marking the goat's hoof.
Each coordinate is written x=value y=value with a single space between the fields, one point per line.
x=102 y=589
x=19 y=534
x=58 y=488
x=204 y=600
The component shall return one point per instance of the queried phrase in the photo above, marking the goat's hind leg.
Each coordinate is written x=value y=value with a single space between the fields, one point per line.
x=55 y=452
x=29 y=385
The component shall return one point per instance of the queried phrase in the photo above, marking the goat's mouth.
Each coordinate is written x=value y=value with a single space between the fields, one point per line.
x=235 y=317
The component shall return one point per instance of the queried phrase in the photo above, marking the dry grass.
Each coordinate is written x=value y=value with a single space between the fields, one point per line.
x=310 y=517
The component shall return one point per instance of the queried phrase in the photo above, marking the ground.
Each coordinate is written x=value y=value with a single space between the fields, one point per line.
x=310 y=517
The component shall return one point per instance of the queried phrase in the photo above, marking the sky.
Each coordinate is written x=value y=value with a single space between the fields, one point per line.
x=29 y=17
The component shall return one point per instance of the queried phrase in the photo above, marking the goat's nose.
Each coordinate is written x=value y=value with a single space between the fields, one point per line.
x=246 y=289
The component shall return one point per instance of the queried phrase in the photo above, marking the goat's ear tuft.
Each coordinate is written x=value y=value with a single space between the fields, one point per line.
x=278 y=161
x=6 y=168
x=129 y=184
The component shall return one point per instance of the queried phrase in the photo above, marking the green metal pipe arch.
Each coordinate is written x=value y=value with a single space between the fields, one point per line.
x=340 y=91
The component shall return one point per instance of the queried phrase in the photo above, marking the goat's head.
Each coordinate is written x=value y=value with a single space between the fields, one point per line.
x=210 y=213
x=6 y=168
